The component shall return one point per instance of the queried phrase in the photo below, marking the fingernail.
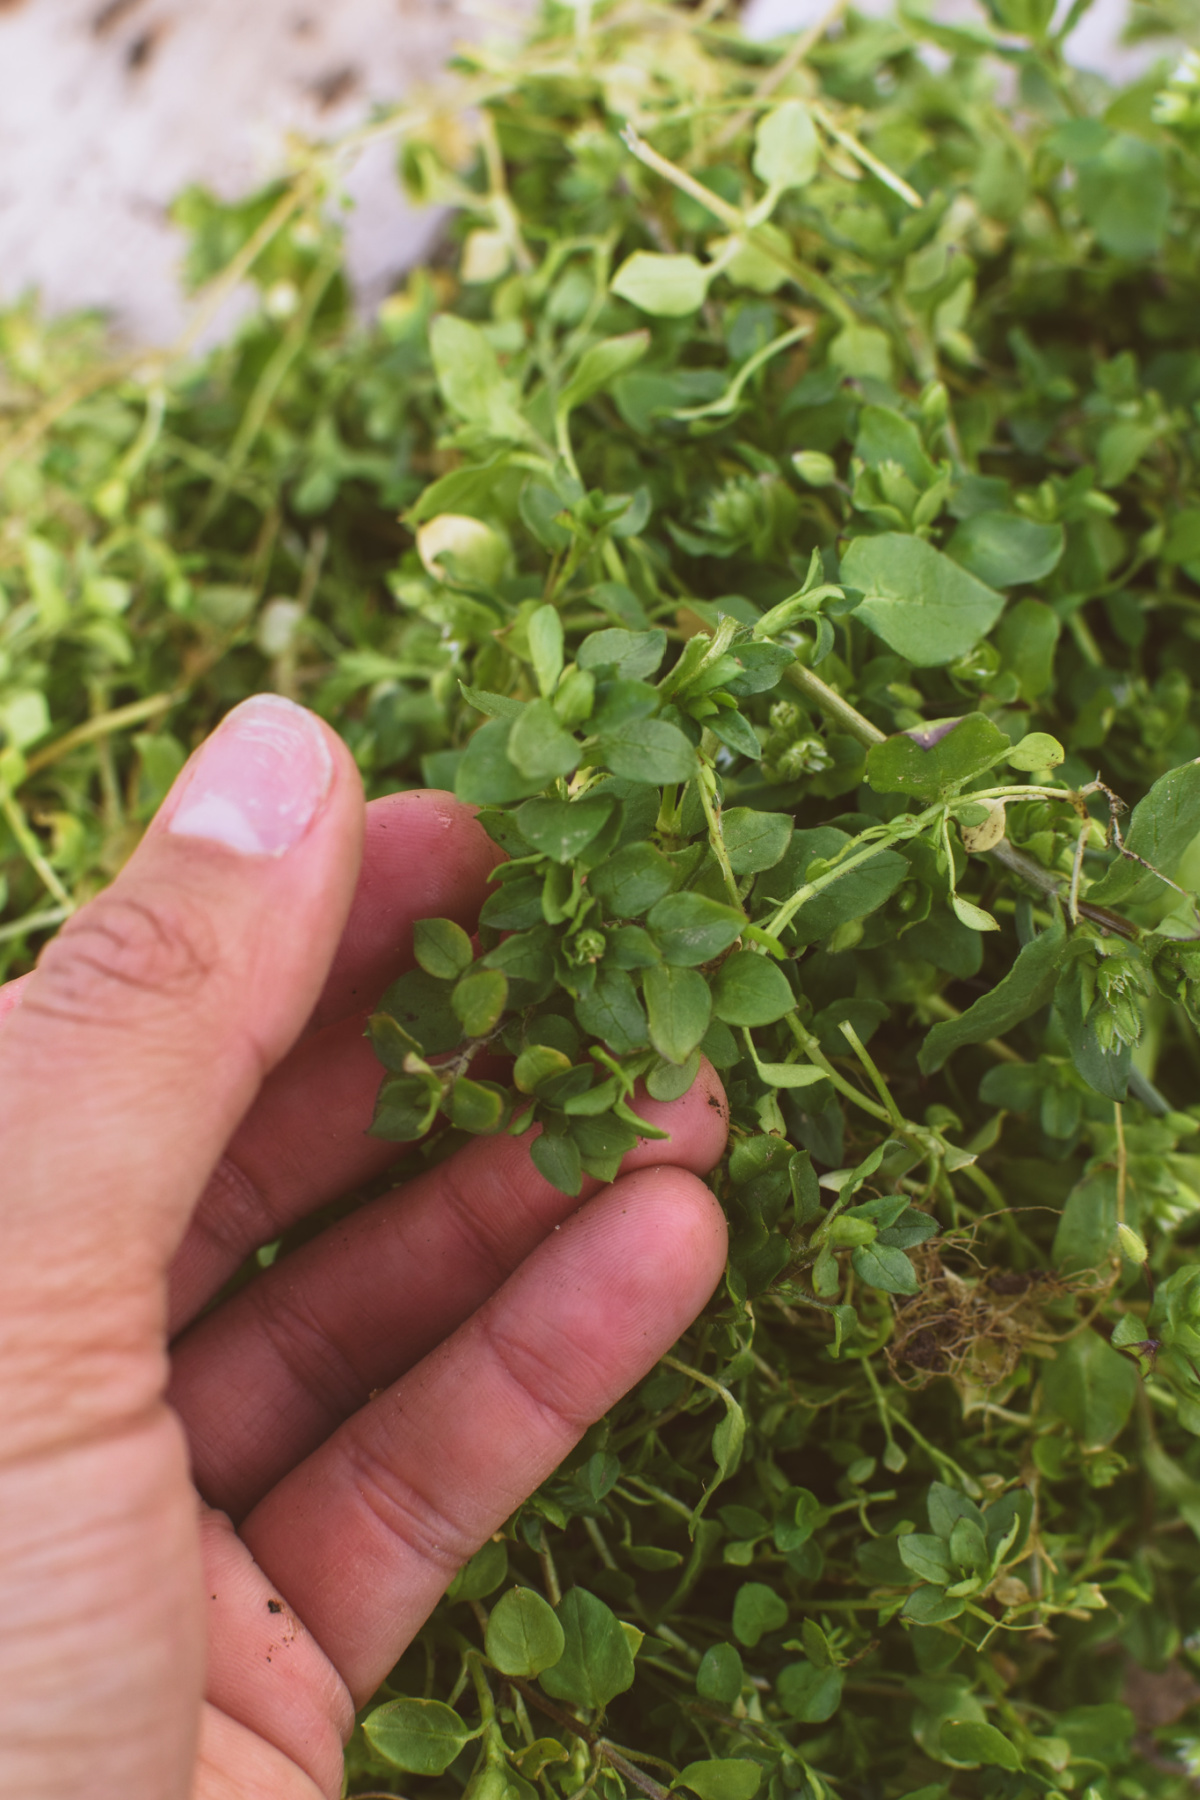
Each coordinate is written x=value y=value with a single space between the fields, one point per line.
x=258 y=782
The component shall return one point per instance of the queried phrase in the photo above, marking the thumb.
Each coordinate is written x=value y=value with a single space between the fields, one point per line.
x=152 y=1018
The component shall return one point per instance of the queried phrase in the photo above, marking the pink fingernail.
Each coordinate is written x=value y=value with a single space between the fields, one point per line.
x=258 y=782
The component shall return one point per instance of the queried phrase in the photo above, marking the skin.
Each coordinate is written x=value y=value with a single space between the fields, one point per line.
x=218 y=1532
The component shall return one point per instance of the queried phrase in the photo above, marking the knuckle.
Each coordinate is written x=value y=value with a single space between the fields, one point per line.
x=309 y=1352
x=545 y=1376
x=158 y=947
x=408 y=1516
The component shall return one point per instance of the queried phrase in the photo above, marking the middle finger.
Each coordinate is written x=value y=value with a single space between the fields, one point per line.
x=264 y=1380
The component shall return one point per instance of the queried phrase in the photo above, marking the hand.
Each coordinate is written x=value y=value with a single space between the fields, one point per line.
x=182 y=1078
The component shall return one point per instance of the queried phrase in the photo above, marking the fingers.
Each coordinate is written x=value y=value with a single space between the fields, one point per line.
x=143 y=1038
x=303 y=1142
x=424 y=857
x=265 y=1379
x=274 y=1693
x=10 y=995
x=363 y=1537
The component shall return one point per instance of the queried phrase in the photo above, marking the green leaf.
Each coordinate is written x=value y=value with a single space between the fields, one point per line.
x=1105 y=1067
x=930 y=1606
x=1028 y=985
x=442 y=948
x=1182 y=543
x=722 y=1778
x=1027 y=637
x=613 y=1012
x=883 y=1266
x=474 y=488
x=538 y=746
x=496 y=706
x=973 y=1741
x=750 y=989
x=479 y=999
x=421 y=1006
x=1038 y=750
x=679 y=1006
x=477 y=1106
x=720 y=1677
x=1091 y=1387
x=934 y=760
x=523 y=1635
x=787 y=149
x=634 y=654
x=973 y=917
x=597 y=1662
x=968 y=1547
x=761 y=667
x=485 y=1572
x=862 y=351
x=562 y=828
x=946 y=1506
x=486 y=776
x=603 y=1141
x=537 y=1064
x=923 y=606
x=668 y=287
x=514 y=905
x=1086 y=1235
x=736 y=733
x=809 y=1694
x=390 y=1042
x=690 y=928
x=757 y=1609
x=926 y=1556
x=666 y=1082
x=557 y=1158
x=405 y=1108
x=850 y=895
x=632 y=881
x=469 y=375
x=886 y=436
x=422 y=1737
x=650 y=750
x=1160 y=830
x=1124 y=196
x=599 y=366
x=544 y=630
x=1005 y=549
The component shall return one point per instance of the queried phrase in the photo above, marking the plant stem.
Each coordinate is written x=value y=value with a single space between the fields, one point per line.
x=136 y=713
x=717 y=842
x=21 y=830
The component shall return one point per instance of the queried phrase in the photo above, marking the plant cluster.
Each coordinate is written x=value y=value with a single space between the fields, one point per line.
x=795 y=450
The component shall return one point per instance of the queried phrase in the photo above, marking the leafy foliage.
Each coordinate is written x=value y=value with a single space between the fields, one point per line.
x=799 y=565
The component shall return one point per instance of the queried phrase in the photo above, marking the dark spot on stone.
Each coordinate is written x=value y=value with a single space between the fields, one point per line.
x=111 y=15
x=275 y=1606
x=142 y=49
x=336 y=86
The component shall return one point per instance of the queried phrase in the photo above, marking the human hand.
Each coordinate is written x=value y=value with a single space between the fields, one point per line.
x=182 y=1078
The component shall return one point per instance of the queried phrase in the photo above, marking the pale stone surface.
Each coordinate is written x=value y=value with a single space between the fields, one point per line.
x=109 y=107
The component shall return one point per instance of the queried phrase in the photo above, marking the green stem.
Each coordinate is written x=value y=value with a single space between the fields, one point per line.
x=880 y=1085
x=717 y=841
x=21 y=830
x=839 y=711
x=38 y=921
x=815 y=1054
